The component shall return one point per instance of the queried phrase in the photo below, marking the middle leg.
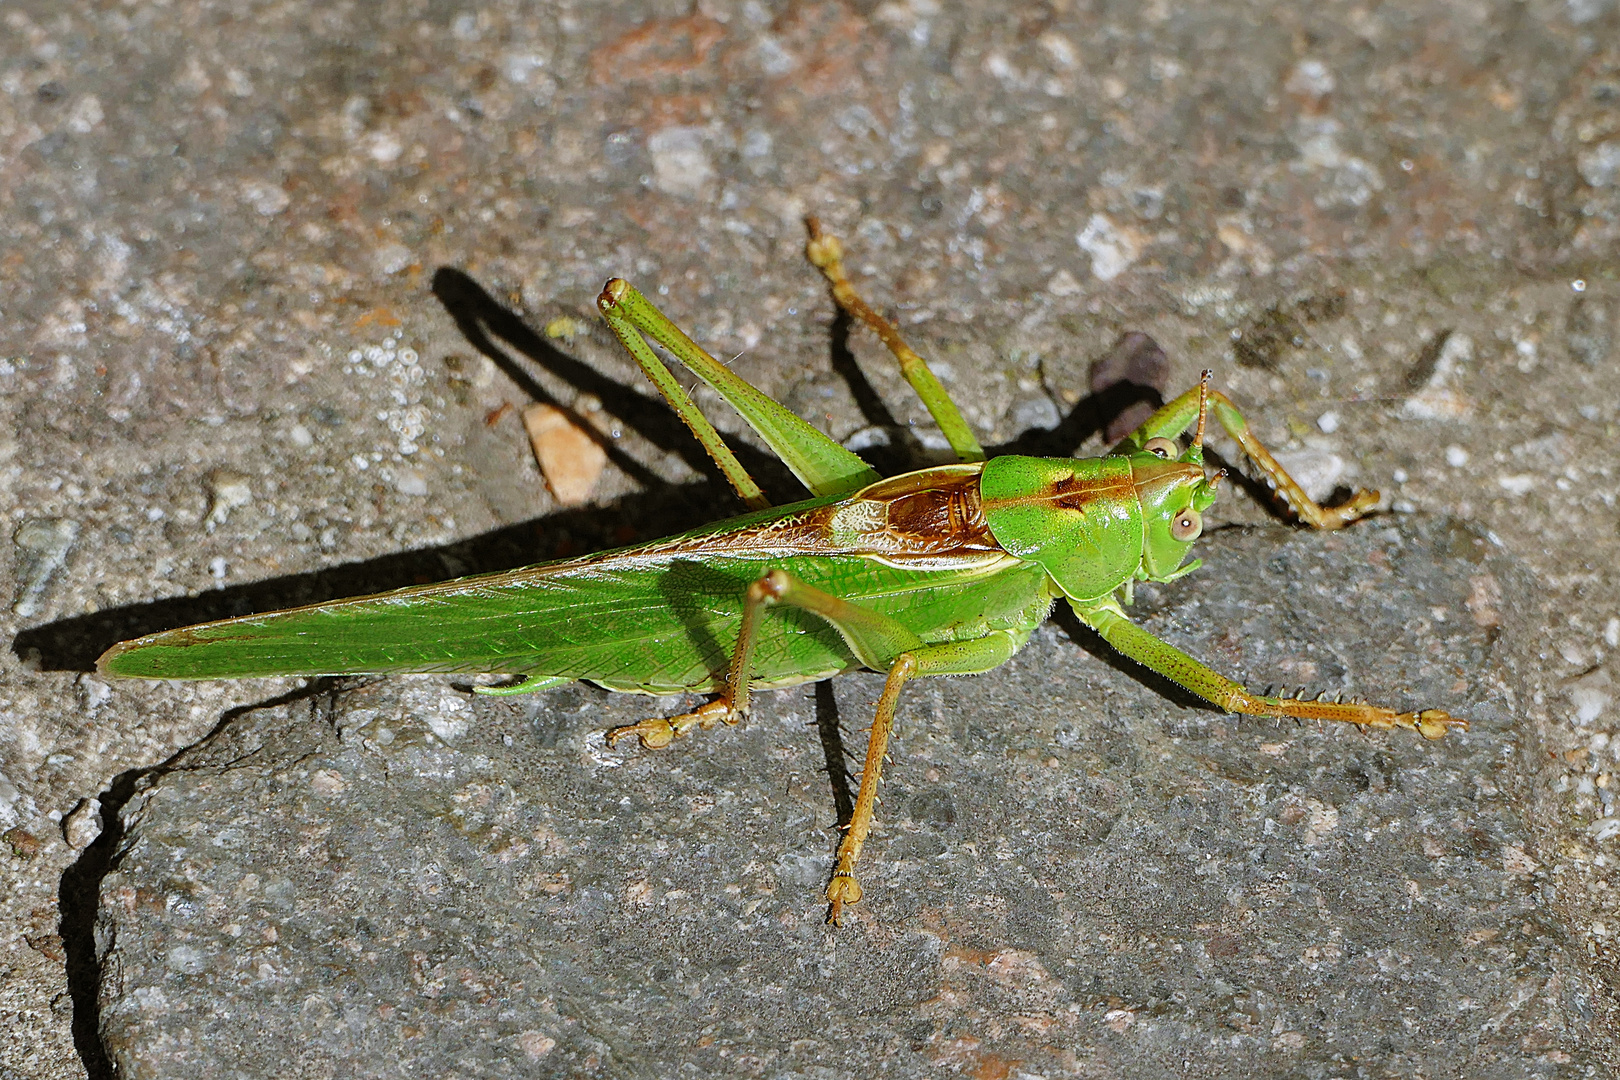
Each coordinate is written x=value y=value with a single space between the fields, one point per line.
x=953 y=658
x=883 y=643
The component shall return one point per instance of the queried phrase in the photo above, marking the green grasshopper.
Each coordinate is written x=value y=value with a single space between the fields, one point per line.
x=942 y=571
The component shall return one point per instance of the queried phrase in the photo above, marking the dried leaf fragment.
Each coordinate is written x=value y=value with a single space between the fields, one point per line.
x=569 y=456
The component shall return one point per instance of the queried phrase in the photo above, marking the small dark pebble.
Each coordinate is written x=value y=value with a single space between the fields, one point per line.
x=1131 y=379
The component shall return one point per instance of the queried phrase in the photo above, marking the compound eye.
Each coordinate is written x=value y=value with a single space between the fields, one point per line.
x=1162 y=447
x=1187 y=525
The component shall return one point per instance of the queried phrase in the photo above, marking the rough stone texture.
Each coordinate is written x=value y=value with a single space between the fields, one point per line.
x=1073 y=875
x=279 y=279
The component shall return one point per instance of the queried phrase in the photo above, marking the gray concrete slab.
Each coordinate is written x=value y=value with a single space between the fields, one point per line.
x=277 y=281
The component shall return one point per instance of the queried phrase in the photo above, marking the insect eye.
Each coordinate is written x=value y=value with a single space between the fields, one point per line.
x=1162 y=447
x=1187 y=525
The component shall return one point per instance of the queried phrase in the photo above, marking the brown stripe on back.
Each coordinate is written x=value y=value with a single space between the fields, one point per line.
x=1076 y=492
x=803 y=533
x=1073 y=492
x=925 y=514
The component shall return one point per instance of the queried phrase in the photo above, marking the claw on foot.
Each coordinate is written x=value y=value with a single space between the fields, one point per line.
x=822 y=249
x=659 y=732
x=654 y=734
x=1337 y=517
x=1431 y=723
x=843 y=890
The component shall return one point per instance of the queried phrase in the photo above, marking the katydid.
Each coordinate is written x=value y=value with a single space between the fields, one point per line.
x=941 y=571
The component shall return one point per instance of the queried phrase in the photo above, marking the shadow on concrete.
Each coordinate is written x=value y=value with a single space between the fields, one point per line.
x=79 y=891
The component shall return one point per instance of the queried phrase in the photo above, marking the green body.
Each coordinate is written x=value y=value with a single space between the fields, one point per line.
x=964 y=553
x=660 y=618
x=941 y=571
x=664 y=617
x=970 y=555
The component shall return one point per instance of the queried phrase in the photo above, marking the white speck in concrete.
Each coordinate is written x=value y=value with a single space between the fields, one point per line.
x=1317 y=471
x=1036 y=413
x=680 y=159
x=448 y=721
x=267 y=198
x=86 y=116
x=1600 y=166
x=96 y=693
x=1590 y=696
x=1062 y=283
x=187 y=960
x=1060 y=49
x=520 y=65
x=411 y=482
x=384 y=148
x=1310 y=78
x=8 y=800
x=1457 y=350
x=1111 y=248
x=392 y=258
x=1518 y=484
x=1436 y=403
x=757 y=144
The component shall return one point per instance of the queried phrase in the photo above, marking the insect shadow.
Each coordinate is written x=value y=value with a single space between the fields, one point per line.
x=74 y=643
x=483 y=320
x=838 y=759
x=1089 y=640
x=1091 y=415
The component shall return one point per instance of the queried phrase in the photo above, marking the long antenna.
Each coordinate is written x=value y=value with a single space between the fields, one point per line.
x=1203 y=407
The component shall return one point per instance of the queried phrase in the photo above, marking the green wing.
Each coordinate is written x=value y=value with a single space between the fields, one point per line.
x=613 y=623
x=654 y=621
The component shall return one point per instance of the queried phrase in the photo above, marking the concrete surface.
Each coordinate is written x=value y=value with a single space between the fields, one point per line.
x=1072 y=874
x=273 y=273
